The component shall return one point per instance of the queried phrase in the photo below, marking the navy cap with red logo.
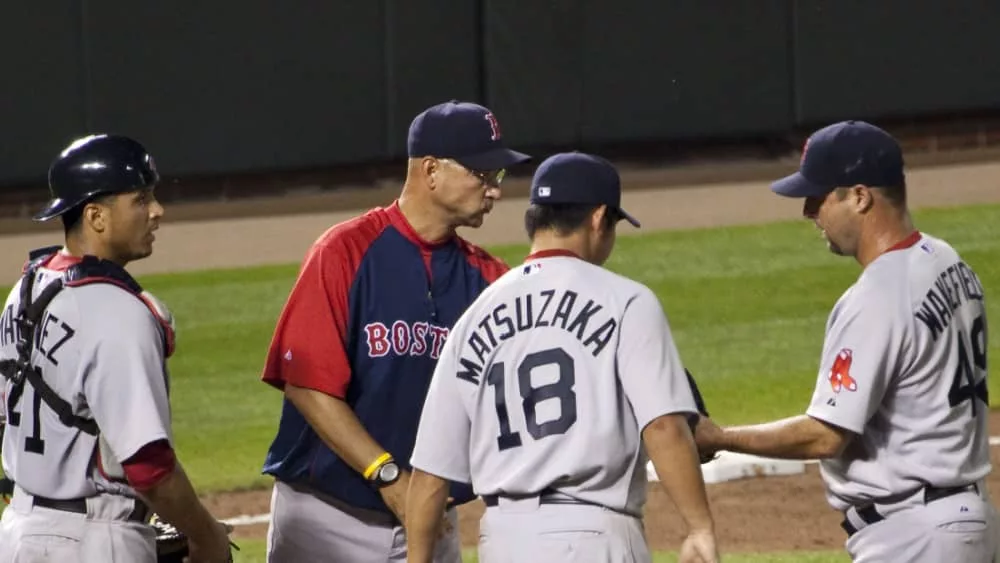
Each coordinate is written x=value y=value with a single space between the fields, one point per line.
x=845 y=154
x=462 y=131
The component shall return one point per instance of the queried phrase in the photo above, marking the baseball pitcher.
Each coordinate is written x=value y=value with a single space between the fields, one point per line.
x=899 y=412
x=552 y=389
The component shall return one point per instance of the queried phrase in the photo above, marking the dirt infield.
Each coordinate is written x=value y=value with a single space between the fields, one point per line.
x=780 y=513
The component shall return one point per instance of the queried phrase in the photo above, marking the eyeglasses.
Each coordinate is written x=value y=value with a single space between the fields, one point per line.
x=491 y=177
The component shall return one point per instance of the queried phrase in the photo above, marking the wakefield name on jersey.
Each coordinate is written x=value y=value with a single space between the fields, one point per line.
x=956 y=285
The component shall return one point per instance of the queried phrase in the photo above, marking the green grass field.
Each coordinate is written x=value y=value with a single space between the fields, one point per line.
x=747 y=306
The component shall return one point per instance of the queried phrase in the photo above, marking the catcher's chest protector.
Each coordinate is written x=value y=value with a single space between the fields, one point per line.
x=29 y=321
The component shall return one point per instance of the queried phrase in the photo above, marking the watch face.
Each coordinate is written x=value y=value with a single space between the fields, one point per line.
x=389 y=472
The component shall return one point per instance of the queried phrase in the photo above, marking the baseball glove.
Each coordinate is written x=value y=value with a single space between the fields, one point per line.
x=171 y=544
x=702 y=411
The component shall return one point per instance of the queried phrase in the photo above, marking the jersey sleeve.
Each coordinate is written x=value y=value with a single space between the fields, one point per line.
x=649 y=365
x=124 y=381
x=861 y=347
x=309 y=345
x=444 y=431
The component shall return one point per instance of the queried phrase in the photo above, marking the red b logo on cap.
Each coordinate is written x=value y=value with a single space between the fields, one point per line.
x=494 y=126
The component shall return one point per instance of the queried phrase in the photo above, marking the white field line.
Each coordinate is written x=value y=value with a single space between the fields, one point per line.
x=247 y=520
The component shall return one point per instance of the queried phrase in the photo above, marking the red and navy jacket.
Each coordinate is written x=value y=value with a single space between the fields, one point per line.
x=365 y=322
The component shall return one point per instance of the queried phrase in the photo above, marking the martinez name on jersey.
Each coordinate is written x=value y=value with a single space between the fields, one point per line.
x=547 y=308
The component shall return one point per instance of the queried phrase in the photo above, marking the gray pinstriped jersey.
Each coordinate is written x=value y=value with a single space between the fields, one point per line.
x=904 y=367
x=547 y=381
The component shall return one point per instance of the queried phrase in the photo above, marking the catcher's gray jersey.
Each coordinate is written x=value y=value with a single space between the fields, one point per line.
x=547 y=381
x=100 y=349
x=904 y=367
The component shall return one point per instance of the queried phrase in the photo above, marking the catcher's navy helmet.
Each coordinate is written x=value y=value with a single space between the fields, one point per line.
x=96 y=165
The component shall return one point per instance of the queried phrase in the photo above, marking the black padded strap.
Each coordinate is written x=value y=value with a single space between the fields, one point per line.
x=91 y=269
x=43 y=252
x=28 y=318
x=60 y=406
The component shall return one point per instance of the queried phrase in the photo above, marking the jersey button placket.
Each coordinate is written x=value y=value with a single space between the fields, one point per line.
x=431 y=306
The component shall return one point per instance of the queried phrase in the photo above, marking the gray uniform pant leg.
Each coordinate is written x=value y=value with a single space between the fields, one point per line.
x=961 y=527
x=41 y=535
x=308 y=526
x=524 y=530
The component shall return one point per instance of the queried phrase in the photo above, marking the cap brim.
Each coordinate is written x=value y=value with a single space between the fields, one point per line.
x=797 y=185
x=55 y=208
x=628 y=217
x=494 y=159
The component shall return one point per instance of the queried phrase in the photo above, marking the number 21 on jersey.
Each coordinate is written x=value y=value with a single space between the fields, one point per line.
x=33 y=443
x=559 y=390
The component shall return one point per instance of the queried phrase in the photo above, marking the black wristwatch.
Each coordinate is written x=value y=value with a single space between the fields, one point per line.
x=386 y=475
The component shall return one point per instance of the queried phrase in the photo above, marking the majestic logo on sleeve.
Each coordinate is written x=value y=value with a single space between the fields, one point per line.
x=840 y=373
x=405 y=339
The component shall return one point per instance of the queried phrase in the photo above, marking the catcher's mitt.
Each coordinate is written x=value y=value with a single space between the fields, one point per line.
x=171 y=544
x=702 y=410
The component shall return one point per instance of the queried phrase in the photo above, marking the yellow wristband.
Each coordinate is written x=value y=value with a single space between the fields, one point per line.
x=379 y=461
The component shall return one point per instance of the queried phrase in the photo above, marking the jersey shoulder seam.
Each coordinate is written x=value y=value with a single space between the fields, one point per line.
x=365 y=227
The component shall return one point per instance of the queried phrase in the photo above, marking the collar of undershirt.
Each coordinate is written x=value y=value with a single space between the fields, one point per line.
x=905 y=243
x=552 y=254
x=62 y=261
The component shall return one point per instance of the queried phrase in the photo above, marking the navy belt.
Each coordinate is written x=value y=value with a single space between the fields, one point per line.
x=140 y=512
x=546 y=496
x=870 y=515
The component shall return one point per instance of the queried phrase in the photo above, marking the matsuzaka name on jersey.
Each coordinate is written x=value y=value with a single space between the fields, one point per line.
x=53 y=335
x=547 y=308
x=954 y=284
x=405 y=339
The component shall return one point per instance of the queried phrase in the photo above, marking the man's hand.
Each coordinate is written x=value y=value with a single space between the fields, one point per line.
x=708 y=436
x=394 y=495
x=395 y=498
x=212 y=547
x=699 y=547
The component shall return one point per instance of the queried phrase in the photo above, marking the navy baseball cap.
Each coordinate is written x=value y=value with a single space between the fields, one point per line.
x=841 y=155
x=578 y=178
x=462 y=131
